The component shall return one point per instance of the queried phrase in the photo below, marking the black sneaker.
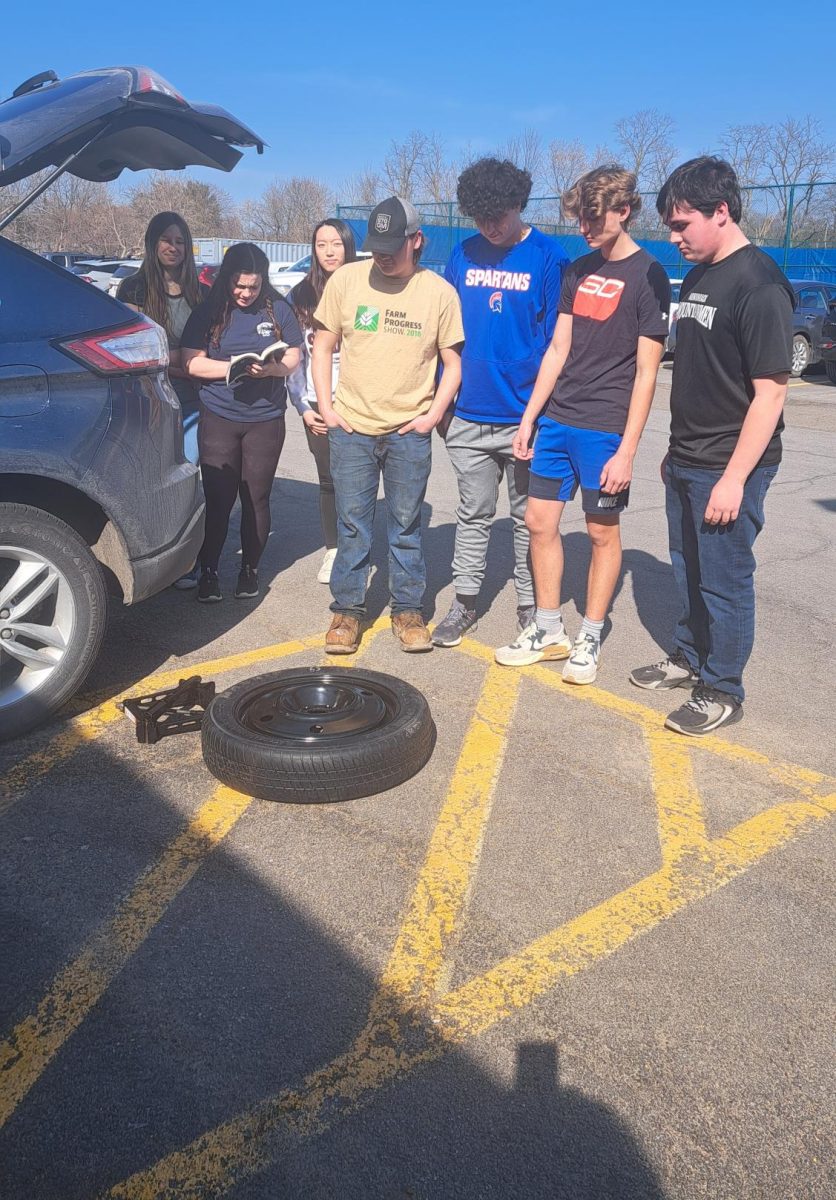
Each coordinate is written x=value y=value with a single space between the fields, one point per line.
x=706 y=711
x=209 y=589
x=672 y=672
x=247 y=585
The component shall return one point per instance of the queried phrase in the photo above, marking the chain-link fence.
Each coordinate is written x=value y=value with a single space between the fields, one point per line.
x=794 y=223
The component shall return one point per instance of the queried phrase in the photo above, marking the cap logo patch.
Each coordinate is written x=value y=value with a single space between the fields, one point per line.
x=381 y=223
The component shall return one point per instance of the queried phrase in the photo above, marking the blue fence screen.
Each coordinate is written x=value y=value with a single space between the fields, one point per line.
x=799 y=262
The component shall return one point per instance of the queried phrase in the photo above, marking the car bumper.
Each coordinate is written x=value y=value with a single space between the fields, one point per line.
x=156 y=571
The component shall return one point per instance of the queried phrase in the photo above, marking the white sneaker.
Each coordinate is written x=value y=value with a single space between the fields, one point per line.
x=324 y=575
x=532 y=645
x=582 y=666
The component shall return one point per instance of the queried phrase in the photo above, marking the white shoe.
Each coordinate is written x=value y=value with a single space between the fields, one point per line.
x=582 y=666
x=532 y=645
x=324 y=575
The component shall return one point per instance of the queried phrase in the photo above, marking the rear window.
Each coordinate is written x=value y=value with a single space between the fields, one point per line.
x=40 y=300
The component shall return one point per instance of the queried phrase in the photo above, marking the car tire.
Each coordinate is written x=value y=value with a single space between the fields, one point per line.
x=802 y=354
x=317 y=735
x=51 y=583
x=830 y=368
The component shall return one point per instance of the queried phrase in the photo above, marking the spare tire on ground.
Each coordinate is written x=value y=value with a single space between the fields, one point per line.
x=314 y=735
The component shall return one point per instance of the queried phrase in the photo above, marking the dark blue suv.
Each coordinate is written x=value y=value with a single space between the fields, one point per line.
x=95 y=492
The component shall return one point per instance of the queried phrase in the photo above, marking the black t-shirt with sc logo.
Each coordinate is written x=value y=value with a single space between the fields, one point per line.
x=734 y=324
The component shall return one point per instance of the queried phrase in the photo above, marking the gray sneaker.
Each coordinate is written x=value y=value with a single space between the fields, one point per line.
x=525 y=615
x=672 y=672
x=706 y=711
x=450 y=631
x=532 y=646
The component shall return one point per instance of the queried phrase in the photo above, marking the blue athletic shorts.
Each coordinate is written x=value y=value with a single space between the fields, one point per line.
x=566 y=458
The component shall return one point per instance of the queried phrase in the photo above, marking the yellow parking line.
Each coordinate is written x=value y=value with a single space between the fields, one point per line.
x=33 y=1043
x=86 y=728
x=413 y=972
x=521 y=978
x=681 y=819
x=397 y=1039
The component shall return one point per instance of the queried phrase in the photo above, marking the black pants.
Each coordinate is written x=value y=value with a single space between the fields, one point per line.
x=320 y=448
x=237 y=458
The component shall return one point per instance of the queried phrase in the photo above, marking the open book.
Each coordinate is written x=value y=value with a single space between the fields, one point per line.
x=237 y=371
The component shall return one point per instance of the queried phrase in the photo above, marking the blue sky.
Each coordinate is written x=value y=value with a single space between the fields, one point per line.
x=330 y=85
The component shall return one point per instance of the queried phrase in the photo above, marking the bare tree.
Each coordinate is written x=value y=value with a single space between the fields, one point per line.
x=525 y=150
x=644 y=144
x=746 y=147
x=438 y=174
x=288 y=211
x=566 y=162
x=403 y=166
x=364 y=188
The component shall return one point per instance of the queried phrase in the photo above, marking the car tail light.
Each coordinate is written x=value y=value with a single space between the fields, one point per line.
x=207 y=275
x=149 y=81
x=86 y=278
x=140 y=346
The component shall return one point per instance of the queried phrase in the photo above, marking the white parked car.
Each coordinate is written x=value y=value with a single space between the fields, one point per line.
x=286 y=278
x=128 y=266
x=98 y=271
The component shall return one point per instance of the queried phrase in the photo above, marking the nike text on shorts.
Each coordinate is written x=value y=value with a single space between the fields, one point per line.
x=566 y=458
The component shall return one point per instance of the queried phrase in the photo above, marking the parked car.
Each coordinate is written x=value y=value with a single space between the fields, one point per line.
x=670 y=340
x=99 y=271
x=126 y=268
x=95 y=491
x=828 y=343
x=812 y=302
x=64 y=258
x=285 y=278
x=206 y=273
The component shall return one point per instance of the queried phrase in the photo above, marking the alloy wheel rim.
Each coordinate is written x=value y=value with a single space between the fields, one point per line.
x=37 y=619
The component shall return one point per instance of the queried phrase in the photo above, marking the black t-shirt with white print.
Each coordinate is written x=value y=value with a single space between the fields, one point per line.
x=612 y=305
x=733 y=325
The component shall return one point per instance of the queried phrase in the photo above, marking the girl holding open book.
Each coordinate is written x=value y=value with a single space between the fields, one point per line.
x=241 y=430
x=332 y=245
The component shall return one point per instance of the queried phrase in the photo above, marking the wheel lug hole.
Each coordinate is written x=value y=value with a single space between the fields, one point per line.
x=6 y=635
x=317 y=728
x=5 y=613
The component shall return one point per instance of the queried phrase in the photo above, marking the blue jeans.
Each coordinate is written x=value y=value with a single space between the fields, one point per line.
x=357 y=462
x=714 y=568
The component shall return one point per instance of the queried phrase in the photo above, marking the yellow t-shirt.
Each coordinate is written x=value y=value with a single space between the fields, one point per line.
x=390 y=332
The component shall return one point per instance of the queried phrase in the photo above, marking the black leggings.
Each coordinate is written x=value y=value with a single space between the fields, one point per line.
x=237 y=458
x=320 y=448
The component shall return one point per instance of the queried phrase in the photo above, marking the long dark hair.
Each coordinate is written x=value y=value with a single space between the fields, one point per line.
x=151 y=272
x=242 y=258
x=308 y=292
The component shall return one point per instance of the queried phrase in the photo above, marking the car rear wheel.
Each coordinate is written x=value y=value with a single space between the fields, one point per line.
x=830 y=368
x=53 y=612
x=801 y=355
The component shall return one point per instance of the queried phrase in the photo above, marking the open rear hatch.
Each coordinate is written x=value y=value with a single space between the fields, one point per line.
x=96 y=124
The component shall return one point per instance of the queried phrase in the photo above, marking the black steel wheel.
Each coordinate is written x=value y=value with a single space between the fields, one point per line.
x=315 y=735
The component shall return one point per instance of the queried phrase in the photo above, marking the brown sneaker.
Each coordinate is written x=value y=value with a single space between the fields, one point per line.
x=414 y=636
x=344 y=635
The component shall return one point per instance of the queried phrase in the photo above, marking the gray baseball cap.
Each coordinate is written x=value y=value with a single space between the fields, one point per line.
x=391 y=222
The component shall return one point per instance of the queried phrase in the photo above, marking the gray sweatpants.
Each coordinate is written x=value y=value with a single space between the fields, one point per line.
x=481 y=455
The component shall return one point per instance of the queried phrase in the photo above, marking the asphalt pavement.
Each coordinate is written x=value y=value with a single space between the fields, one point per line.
x=575 y=957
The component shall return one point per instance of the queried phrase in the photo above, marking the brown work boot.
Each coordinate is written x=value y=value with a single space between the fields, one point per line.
x=344 y=635
x=414 y=636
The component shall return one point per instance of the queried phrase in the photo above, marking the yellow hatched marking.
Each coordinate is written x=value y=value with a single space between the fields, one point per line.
x=37 y=1039
x=414 y=970
x=408 y=1025
x=681 y=820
